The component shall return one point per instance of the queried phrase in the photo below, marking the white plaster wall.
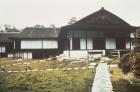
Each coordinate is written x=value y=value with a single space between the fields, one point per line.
x=89 y=43
x=25 y=55
x=31 y=44
x=132 y=35
x=50 y=44
x=82 y=43
x=66 y=53
x=93 y=55
x=76 y=53
x=110 y=43
x=29 y=55
x=37 y=44
x=127 y=44
x=10 y=55
x=2 y=49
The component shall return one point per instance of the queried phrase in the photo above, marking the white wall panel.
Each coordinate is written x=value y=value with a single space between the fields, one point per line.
x=110 y=43
x=76 y=53
x=36 y=44
x=2 y=49
x=132 y=35
x=113 y=44
x=25 y=55
x=82 y=43
x=29 y=55
x=31 y=44
x=127 y=44
x=89 y=43
x=50 y=44
x=26 y=44
x=10 y=55
x=107 y=44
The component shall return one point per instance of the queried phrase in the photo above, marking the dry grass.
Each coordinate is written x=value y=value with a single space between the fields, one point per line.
x=56 y=81
x=124 y=83
x=116 y=74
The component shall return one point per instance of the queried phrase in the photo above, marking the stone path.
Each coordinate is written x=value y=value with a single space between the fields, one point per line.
x=102 y=82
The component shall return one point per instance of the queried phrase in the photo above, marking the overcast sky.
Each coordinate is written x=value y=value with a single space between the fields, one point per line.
x=22 y=13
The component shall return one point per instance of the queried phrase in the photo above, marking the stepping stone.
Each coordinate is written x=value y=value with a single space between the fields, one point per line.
x=22 y=71
x=56 y=69
x=49 y=69
x=91 y=67
x=83 y=67
x=15 y=71
x=7 y=65
x=76 y=68
x=41 y=70
x=9 y=71
x=69 y=68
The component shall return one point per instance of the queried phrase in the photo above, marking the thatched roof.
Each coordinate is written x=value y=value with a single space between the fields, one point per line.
x=5 y=35
x=39 y=33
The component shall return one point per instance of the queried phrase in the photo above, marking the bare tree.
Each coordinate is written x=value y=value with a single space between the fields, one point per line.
x=72 y=20
x=10 y=28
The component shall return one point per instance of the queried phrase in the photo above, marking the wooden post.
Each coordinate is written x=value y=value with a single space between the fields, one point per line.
x=71 y=43
x=130 y=43
x=119 y=54
x=86 y=40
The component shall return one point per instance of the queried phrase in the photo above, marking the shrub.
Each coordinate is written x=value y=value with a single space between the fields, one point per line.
x=131 y=63
x=135 y=67
x=125 y=63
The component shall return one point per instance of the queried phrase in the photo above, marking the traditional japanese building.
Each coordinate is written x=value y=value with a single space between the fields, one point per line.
x=7 y=45
x=36 y=43
x=100 y=32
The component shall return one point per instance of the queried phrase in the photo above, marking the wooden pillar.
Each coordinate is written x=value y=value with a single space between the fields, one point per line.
x=71 y=43
x=14 y=56
x=14 y=44
x=27 y=54
x=86 y=40
x=23 y=55
x=130 y=43
x=71 y=40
